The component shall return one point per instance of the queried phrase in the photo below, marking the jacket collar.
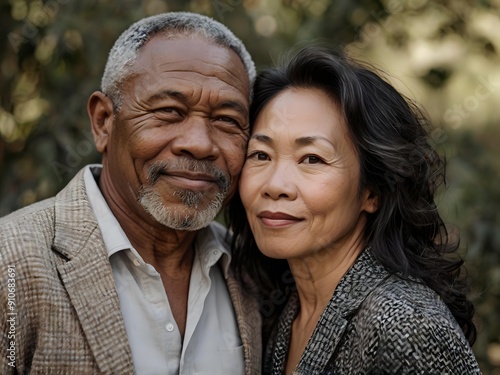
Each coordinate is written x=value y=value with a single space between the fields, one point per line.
x=354 y=287
x=361 y=279
x=249 y=321
x=87 y=276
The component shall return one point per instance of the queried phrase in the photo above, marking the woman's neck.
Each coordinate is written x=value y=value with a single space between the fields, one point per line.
x=316 y=279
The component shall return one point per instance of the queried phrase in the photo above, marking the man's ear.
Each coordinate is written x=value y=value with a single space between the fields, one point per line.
x=370 y=200
x=101 y=113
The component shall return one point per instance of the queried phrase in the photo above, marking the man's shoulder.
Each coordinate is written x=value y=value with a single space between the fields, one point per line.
x=29 y=218
x=26 y=238
x=44 y=209
x=30 y=231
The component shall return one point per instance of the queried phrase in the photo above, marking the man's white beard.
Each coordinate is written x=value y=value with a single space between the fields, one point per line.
x=190 y=217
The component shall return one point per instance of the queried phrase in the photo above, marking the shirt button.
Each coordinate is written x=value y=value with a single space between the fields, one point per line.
x=137 y=262
x=169 y=327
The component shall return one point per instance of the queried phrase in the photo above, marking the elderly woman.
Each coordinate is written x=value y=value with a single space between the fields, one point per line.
x=356 y=270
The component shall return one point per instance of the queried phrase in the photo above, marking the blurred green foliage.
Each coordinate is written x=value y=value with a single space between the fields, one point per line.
x=443 y=53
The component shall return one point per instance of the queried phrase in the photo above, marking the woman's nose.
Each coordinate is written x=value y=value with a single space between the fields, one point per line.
x=280 y=184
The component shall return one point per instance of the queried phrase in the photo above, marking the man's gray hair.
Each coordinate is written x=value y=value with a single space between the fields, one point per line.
x=173 y=24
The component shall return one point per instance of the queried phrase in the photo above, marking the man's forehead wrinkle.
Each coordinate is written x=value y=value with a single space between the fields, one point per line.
x=225 y=63
x=165 y=94
x=186 y=91
x=219 y=62
x=227 y=74
x=205 y=63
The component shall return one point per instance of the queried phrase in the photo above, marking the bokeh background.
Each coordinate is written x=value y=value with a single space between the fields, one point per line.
x=443 y=54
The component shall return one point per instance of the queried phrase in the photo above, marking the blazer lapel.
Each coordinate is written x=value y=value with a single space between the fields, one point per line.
x=363 y=277
x=323 y=342
x=87 y=276
x=249 y=324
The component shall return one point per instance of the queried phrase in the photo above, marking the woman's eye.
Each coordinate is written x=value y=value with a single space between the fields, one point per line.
x=313 y=159
x=262 y=156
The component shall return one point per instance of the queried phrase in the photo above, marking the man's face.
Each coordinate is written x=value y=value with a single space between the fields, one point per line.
x=177 y=144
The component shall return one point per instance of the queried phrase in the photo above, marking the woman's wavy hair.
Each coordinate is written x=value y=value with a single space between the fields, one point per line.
x=397 y=161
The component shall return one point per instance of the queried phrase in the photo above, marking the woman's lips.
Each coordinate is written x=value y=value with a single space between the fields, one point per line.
x=277 y=219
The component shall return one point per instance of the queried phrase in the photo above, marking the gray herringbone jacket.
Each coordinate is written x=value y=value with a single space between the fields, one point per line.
x=376 y=323
x=68 y=318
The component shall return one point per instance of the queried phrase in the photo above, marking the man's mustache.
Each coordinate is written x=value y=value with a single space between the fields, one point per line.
x=202 y=166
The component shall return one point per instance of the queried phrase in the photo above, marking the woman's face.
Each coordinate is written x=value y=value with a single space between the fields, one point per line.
x=300 y=182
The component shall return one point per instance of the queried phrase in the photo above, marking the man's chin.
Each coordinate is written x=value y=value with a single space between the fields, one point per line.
x=190 y=213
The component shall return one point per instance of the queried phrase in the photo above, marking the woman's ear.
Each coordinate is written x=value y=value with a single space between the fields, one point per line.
x=370 y=200
x=101 y=113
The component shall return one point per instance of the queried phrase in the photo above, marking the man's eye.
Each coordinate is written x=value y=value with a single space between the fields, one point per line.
x=228 y=120
x=169 y=110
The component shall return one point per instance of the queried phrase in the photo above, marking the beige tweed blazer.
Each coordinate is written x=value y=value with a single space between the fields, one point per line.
x=67 y=313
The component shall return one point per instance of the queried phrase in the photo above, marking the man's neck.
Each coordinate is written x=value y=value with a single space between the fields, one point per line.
x=166 y=249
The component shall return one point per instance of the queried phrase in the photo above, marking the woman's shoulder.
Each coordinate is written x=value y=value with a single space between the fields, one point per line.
x=409 y=326
x=405 y=294
x=407 y=303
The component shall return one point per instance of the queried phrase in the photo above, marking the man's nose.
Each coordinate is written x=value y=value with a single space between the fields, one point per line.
x=196 y=139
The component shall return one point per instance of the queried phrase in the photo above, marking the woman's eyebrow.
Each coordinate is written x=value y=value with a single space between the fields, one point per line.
x=262 y=138
x=305 y=141
x=301 y=141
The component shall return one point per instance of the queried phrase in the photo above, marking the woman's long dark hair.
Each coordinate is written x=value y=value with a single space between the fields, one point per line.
x=397 y=161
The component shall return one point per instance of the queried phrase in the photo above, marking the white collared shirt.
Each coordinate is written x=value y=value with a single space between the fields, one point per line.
x=212 y=344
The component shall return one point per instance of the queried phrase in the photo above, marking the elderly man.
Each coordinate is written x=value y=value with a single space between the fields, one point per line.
x=123 y=271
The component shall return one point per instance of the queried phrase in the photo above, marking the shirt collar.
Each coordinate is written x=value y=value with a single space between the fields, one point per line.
x=211 y=246
x=113 y=235
x=210 y=243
